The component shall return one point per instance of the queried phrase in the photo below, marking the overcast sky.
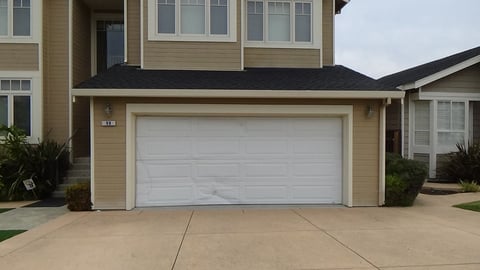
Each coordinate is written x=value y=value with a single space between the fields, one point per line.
x=380 y=37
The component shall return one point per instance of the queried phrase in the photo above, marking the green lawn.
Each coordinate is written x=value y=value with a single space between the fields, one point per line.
x=474 y=206
x=5 y=234
x=5 y=209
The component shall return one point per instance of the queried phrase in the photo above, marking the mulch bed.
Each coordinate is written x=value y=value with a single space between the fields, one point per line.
x=50 y=202
x=432 y=191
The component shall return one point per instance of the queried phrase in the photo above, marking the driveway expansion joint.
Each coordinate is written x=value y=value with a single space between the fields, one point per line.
x=335 y=239
x=183 y=238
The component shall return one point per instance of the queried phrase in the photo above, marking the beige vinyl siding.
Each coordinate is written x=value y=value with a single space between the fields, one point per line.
x=183 y=55
x=109 y=156
x=19 y=56
x=282 y=58
x=366 y=147
x=328 y=35
x=464 y=81
x=133 y=32
x=56 y=65
x=110 y=144
x=81 y=71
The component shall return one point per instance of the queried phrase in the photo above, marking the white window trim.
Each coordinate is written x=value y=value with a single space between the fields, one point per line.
x=36 y=109
x=316 y=28
x=153 y=34
x=35 y=24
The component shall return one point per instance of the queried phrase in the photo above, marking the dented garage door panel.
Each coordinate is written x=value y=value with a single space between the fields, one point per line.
x=238 y=160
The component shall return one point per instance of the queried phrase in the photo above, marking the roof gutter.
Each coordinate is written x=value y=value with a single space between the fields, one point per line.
x=216 y=93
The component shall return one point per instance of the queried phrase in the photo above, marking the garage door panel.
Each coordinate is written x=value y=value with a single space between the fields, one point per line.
x=266 y=194
x=216 y=146
x=266 y=146
x=266 y=170
x=239 y=160
x=217 y=170
x=152 y=148
x=316 y=170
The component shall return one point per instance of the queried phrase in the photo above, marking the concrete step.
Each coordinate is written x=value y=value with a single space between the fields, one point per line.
x=80 y=166
x=75 y=179
x=58 y=194
x=78 y=173
x=81 y=160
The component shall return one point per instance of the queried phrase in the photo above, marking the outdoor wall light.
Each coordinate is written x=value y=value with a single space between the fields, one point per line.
x=370 y=111
x=108 y=109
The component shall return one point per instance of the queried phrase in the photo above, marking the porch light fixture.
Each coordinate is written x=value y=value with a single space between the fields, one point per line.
x=370 y=111
x=108 y=109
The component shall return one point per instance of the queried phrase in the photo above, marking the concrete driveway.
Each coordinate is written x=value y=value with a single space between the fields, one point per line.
x=431 y=235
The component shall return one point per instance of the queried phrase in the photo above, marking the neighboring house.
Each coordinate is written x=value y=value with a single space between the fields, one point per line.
x=441 y=107
x=217 y=102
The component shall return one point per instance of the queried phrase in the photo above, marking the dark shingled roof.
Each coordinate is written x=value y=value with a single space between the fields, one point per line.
x=327 y=78
x=419 y=72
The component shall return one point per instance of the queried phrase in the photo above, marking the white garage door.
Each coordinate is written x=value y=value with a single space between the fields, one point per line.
x=238 y=160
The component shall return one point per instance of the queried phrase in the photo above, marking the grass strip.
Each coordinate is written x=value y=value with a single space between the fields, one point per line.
x=5 y=234
x=473 y=206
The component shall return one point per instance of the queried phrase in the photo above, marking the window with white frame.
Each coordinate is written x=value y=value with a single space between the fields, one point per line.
x=15 y=18
x=193 y=17
x=284 y=21
x=15 y=103
x=422 y=123
x=450 y=122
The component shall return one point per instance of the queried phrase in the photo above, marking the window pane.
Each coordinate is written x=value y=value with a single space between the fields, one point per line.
x=21 y=113
x=278 y=21
x=166 y=17
x=303 y=22
x=458 y=115
x=3 y=110
x=218 y=18
x=193 y=17
x=450 y=138
x=422 y=123
x=21 y=21
x=5 y=85
x=15 y=85
x=3 y=18
x=255 y=21
x=443 y=115
x=26 y=85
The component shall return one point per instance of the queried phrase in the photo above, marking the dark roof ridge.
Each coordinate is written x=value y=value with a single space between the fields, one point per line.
x=413 y=74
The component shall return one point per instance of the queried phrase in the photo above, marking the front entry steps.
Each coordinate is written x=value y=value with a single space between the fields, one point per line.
x=79 y=172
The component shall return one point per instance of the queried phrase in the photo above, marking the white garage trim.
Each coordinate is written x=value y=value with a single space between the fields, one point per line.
x=343 y=111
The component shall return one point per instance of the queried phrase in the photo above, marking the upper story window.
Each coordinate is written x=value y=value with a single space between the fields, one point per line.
x=192 y=20
x=282 y=23
x=15 y=103
x=15 y=18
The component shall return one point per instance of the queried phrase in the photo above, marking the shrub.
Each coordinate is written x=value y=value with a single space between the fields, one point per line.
x=20 y=160
x=404 y=180
x=469 y=186
x=463 y=164
x=78 y=197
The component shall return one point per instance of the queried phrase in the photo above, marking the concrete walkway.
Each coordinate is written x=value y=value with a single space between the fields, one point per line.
x=28 y=217
x=430 y=235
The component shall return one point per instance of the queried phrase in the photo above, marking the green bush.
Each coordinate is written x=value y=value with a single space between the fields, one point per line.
x=404 y=180
x=78 y=197
x=463 y=164
x=20 y=160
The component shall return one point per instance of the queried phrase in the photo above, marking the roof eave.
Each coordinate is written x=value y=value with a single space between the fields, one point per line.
x=219 y=93
x=339 y=4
